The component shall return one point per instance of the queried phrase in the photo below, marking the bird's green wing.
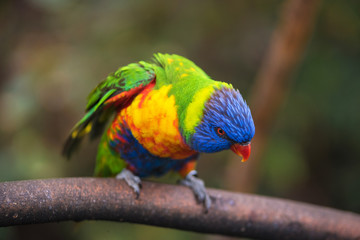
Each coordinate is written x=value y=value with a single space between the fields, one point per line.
x=115 y=92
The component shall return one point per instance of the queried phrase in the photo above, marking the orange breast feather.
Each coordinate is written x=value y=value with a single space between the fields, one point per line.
x=153 y=121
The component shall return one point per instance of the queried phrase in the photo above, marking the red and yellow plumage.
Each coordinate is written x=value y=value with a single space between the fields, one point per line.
x=153 y=121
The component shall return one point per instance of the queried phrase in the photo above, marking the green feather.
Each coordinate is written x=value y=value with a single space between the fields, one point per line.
x=186 y=78
x=98 y=112
x=108 y=163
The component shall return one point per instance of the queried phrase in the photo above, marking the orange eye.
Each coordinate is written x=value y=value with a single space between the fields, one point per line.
x=220 y=131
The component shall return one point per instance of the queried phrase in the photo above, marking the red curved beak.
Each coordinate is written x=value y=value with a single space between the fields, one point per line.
x=242 y=150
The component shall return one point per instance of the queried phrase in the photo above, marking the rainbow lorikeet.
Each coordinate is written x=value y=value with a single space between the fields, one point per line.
x=164 y=114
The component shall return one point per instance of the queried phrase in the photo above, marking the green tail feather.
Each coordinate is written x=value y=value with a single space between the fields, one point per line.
x=108 y=163
x=98 y=112
x=93 y=122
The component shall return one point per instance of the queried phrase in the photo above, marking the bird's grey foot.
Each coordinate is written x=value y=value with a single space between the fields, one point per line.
x=198 y=187
x=133 y=181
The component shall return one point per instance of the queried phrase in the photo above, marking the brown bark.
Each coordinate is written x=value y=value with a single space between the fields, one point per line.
x=232 y=214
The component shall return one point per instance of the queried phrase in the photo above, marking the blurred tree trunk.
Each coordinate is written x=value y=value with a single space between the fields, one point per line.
x=272 y=84
x=17 y=17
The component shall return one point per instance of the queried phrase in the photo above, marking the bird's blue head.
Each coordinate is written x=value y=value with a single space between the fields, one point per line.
x=226 y=123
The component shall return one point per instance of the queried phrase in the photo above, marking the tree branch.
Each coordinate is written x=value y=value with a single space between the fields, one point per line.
x=233 y=214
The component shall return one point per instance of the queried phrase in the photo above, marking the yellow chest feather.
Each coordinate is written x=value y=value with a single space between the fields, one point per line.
x=153 y=121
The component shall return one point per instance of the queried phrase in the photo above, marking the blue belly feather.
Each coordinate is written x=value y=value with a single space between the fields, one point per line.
x=140 y=160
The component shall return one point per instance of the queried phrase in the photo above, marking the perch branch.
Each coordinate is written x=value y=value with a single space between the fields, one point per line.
x=233 y=214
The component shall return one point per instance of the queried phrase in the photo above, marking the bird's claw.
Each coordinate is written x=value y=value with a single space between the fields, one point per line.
x=198 y=187
x=133 y=181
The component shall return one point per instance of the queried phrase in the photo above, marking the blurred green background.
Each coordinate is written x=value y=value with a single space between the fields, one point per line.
x=54 y=52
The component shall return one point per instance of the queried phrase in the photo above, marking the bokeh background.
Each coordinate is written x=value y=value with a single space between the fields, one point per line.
x=54 y=52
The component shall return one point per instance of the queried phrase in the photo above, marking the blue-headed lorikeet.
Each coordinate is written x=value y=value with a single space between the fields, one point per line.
x=164 y=113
